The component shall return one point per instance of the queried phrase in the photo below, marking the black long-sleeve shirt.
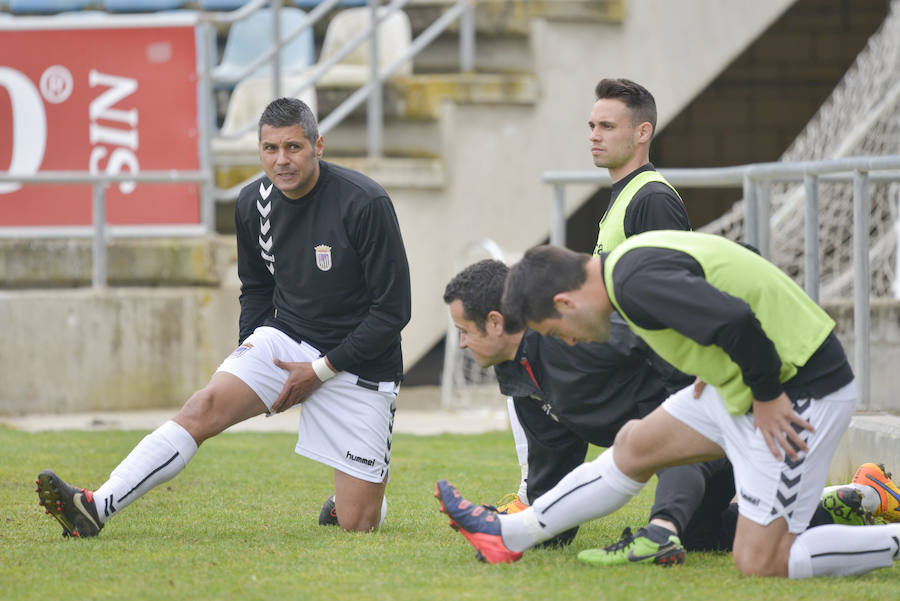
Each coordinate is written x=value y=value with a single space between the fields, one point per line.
x=654 y=207
x=329 y=269
x=566 y=397
x=661 y=288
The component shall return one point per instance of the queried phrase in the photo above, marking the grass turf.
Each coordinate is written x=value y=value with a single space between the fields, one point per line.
x=241 y=523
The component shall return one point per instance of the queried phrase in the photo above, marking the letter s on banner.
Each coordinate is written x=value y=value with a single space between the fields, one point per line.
x=29 y=126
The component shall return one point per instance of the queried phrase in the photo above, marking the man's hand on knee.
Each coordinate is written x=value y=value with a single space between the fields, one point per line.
x=301 y=382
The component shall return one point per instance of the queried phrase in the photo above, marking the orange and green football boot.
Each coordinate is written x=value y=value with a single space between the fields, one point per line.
x=874 y=475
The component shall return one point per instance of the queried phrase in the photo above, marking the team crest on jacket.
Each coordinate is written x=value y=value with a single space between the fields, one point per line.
x=323 y=257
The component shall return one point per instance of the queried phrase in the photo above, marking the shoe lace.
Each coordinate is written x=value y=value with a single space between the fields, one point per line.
x=626 y=539
x=507 y=499
x=886 y=473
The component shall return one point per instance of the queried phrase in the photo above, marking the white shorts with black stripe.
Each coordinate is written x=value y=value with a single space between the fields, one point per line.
x=770 y=488
x=347 y=423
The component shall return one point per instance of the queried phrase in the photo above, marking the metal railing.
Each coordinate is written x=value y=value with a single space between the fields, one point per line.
x=756 y=181
x=99 y=230
x=372 y=91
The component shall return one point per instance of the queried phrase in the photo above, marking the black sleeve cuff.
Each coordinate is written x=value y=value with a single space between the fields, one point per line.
x=767 y=392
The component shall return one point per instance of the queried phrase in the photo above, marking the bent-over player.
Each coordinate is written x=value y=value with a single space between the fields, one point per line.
x=566 y=397
x=779 y=395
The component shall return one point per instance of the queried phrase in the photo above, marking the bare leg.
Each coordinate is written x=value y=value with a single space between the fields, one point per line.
x=358 y=502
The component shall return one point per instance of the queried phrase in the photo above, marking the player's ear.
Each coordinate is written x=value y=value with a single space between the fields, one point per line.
x=563 y=301
x=644 y=132
x=320 y=146
x=495 y=322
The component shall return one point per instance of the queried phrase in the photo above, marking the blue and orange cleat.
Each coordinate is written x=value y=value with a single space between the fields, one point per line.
x=874 y=475
x=478 y=524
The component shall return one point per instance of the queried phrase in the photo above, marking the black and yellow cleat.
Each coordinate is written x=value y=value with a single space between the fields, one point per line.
x=72 y=507
x=328 y=513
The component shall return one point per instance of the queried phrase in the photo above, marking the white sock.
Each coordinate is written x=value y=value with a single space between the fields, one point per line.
x=383 y=511
x=590 y=491
x=156 y=459
x=843 y=550
x=521 y=448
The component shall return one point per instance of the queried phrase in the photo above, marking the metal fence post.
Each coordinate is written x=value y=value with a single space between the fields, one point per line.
x=467 y=38
x=276 y=58
x=207 y=124
x=861 y=286
x=558 y=216
x=751 y=223
x=763 y=225
x=98 y=273
x=811 y=236
x=373 y=116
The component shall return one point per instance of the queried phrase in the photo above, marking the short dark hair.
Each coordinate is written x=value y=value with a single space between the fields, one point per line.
x=284 y=112
x=543 y=272
x=480 y=288
x=636 y=97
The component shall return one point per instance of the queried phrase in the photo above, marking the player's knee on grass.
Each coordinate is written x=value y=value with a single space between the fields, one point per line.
x=358 y=518
x=763 y=560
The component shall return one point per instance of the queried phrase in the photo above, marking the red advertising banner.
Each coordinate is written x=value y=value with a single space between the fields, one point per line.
x=113 y=97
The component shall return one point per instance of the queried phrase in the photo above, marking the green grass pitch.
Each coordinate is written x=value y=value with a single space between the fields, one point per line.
x=240 y=523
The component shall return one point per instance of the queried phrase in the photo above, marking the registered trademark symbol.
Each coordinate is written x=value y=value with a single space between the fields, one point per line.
x=56 y=84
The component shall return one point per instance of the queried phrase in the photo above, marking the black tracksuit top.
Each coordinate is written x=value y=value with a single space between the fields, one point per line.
x=329 y=269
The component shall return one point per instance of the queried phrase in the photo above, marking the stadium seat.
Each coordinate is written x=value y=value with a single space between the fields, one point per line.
x=236 y=4
x=221 y=4
x=142 y=6
x=311 y=4
x=246 y=104
x=250 y=38
x=394 y=38
x=46 y=6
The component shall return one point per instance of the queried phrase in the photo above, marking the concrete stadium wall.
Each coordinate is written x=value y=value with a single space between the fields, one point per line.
x=123 y=348
x=130 y=348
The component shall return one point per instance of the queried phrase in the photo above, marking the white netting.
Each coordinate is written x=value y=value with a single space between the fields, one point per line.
x=860 y=118
x=464 y=384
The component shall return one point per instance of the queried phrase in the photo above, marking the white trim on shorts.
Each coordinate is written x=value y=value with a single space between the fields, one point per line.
x=347 y=423
x=770 y=488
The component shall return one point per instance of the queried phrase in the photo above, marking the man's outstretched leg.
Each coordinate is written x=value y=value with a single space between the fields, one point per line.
x=158 y=458
x=590 y=491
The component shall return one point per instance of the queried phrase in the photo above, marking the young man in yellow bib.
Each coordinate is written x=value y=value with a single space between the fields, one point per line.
x=779 y=395
x=622 y=124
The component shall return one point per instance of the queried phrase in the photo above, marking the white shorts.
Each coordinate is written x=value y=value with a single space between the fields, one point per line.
x=346 y=423
x=769 y=488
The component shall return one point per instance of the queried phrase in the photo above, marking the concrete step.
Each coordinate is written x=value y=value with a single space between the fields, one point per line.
x=411 y=107
x=870 y=438
x=513 y=17
x=60 y=263
x=420 y=96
